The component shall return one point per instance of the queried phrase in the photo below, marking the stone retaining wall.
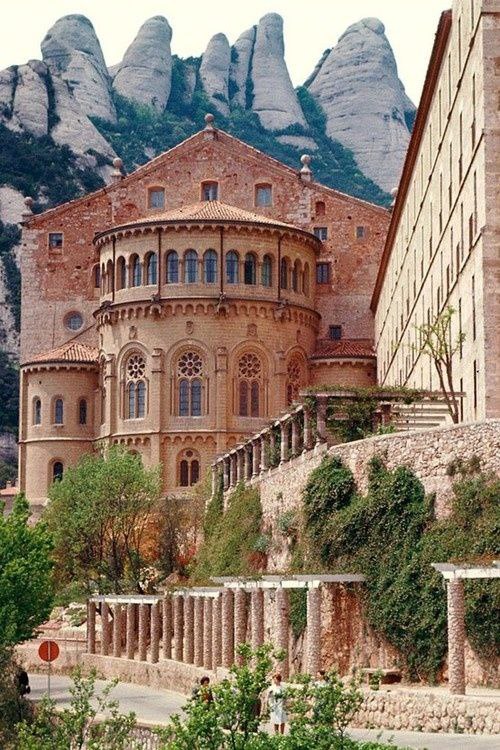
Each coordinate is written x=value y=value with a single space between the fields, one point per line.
x=428 y=712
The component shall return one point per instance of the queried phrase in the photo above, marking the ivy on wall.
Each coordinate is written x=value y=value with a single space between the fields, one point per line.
x=391 y=535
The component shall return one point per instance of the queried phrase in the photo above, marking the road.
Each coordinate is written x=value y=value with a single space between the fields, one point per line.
x=153 y=706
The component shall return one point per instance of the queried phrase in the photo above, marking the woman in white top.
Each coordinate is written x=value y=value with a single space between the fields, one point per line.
x=276 y=700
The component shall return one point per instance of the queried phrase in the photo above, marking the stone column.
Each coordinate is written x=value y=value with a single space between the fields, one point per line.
x=233 y=470
x=167 y=627
x=272 y=446
x=227 y=627
x=130 y=637
x=264 y=457
x=155 y=632
x=257 y=617
x=295 y=436
x=217 y=631
x=255 y=457
x=143 y=631
x=198 y=631
x=247 y=464
x=240 y=466
x=178 y=607
x=284 y=441
x=321 y=419
x=283 y=629
x=207 y=632
x=226 y=472
x=189 y=629
x=307 y=430
x=117 y=630
x=214 y=479
x=313 y=660
x=456 y=636
x=105 y=629
x=90 y=627
x=240 y=621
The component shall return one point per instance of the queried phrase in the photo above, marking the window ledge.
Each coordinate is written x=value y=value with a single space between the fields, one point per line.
x=57 y=426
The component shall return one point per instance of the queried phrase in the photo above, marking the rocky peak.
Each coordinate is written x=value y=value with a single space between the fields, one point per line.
x=274 y=98
x=366 y=105
x=241 y=60
x=145 y=73
x=214 y=72
x=72 y=51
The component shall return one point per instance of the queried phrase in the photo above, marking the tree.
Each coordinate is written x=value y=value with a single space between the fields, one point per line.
x=101 y=514
x=436 y=341
x=26 y=585
x=76 y=727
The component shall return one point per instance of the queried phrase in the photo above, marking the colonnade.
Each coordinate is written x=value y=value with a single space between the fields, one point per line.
x=204 y=626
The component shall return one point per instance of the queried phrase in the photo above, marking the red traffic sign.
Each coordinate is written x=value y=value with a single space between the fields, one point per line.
x=48 y=651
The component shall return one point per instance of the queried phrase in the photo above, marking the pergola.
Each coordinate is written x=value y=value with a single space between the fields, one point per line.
x=204 y=625
x=454 y=575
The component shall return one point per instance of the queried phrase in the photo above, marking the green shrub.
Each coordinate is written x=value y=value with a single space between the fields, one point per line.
x=330 y=488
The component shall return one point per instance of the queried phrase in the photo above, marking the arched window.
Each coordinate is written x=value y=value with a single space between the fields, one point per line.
x=267 y=271
x=121 y=273
x=284 y=273
x=172 y=267
x=295 y=378
x=135 y=271
x=190 y=390
x=57 y=471
x=189 y=468
x=151 y=269
x=250 y=269
x=191 y=267
x=210 y=267
x=58 y=411
x=305 y=280
x=37 y=411
x=82 y=411
x=96 y=275
x=249 y=386
x=232 y=268
x=102 y=277
x=135 y=388
x=296 y=276
x=109 y=276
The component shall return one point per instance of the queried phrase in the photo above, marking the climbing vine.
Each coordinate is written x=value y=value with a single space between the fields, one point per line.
x=391 y=535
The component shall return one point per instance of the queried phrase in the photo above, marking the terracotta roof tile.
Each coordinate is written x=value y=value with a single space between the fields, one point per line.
x=356 y=348
x=72 y=351
x=211 y=211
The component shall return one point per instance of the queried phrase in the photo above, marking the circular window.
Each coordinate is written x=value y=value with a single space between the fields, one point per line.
x=73 y=321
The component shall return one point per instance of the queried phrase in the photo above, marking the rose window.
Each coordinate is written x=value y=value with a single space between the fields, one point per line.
x=136 y=367
x=189 y=365
x=249 y=366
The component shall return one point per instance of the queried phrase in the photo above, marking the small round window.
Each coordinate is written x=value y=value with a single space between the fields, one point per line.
x=73 y=321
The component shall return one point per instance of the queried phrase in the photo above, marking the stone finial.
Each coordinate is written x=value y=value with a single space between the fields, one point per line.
x=28 y=211
x=210 y=130
x=117 y=172
x=305 y=172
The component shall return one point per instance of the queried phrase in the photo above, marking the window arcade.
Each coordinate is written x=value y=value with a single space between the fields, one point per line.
x=249 y=385
x=135 y=389
x=189 y=375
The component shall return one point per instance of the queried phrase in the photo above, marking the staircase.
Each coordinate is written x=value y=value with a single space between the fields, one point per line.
x=425 y=414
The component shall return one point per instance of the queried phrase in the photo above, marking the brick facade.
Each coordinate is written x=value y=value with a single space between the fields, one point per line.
x=66 y=271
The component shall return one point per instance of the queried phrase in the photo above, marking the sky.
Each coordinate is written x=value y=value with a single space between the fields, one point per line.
x=310 y=27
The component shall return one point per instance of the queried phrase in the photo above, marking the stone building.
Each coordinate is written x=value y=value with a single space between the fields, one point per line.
x=443 y=243
x=179 y=309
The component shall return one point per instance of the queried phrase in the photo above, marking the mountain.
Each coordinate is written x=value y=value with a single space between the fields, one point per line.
x=64 y=118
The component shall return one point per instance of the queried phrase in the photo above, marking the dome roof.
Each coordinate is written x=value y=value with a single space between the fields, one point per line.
x=207 y=212
x=72 y=352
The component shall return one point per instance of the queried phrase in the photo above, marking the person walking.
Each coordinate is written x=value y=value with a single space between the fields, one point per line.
x=276 y=702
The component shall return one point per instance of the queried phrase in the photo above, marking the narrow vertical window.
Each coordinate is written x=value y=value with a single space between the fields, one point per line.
x=172 y=267
x=57 y=471
x=136 y=271
x=267 y=271
x=141 y=398
x=82 y=411
x=243 y=398
x=58 y=411
x=254 y=399
x=191 y=267
x=184 y=398
x=184 y=473
x=196 y=398
x=232 y=267
x=37 y=411
x=284 y=273
x=210 y=267
x=195 y=472
x=121 y=273
x=131 y=400
x=250 y=269
x=152 y=269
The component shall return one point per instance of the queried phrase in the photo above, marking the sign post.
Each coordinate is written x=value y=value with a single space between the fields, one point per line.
x=48 y=651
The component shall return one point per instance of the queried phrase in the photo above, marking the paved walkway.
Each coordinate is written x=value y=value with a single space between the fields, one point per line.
x=155 y=706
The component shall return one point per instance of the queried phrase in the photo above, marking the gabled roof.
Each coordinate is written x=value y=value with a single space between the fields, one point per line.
x=199 y=139
x=344 y=349
x=72 y=352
